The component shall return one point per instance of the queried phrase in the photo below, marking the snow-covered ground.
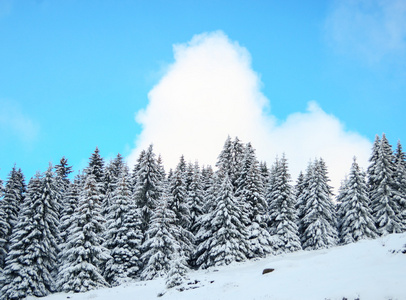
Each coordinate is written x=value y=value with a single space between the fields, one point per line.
x=364 y=270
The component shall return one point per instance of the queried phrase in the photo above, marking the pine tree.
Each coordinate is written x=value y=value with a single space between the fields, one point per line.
x=357 y=222
x=195 y=198
x=400 y=180
x=111 y=175
x=148 y=189
x=250 y=196
x=123 y=236
x=32 y=259
x=162 y=246
x=282 y=212
x=13 y=195
x=83 y=253
x=70 y=203
x=383 y=189
x=319 y=222
x=225 y=241
x=230 y=158
x=62 y=172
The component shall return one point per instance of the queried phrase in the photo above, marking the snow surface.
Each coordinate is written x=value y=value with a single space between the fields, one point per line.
x=364 y=270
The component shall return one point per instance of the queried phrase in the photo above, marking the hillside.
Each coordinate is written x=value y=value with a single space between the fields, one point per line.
x=363 y=270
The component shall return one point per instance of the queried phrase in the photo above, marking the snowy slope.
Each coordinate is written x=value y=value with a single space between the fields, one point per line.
x=364 y=270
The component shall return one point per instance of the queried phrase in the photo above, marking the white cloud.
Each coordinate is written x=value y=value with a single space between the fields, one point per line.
x=211 y=91
x=14 y=121
x=371 y=30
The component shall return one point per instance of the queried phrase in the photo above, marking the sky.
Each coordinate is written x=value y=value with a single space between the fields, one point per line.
x=314 y=79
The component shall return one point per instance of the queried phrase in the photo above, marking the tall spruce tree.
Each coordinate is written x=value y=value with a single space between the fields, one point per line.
x=356 y=220
x=148 y=188
x=282 y=212
x=13 y=195
x=383 y=190
x=162 y=246
x=251 y=199
x=84 y=254
x=400 y=180
x=319 y=221
x=123 y=236
x=32 y=260
x=71 y=200
x=225 y=241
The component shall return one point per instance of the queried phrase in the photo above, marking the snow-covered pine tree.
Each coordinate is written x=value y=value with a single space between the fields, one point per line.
x=70 y=203
x=123 y=236
x=111 y=175
x=318 y=223
x=135 y=170
x=162 y=246
x=211 y=186
x=177 y=271
x=13 y=195
x=383 y=190
x=250 y=196
x=32 y=260
x=282 y=212
x=62 y=172
x=178 y=203
x=230 y=159
x=148 y=188
x=195 y=198
x=400 y=179
x=83 y=252
x=263 y=168
x=357 y=222
x=224 y=242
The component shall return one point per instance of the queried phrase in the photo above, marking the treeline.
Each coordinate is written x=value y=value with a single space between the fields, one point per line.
x=112 y=225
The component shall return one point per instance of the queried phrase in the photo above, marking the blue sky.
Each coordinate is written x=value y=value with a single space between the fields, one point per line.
x=73 y=74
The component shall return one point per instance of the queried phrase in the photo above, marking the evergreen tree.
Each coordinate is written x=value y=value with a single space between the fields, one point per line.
x=250 y=196
x=70 y=203
x=282 y=212
x=32 y=259
x=162 y=246
x=230 y=158
x=383 y=189
x=9 y=209
x=318 y=223
x=111 y=176
x=177 y=271
x=83 y=253
x=195 y=199
x=178 y=203
x=148 y=189
x=225 y=241
x=400 y=180
x=62 y=172
x=357 y=222
x=123 y=236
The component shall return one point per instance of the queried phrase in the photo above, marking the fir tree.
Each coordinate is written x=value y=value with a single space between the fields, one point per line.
x=282 y=212
x=83 y=253
x=357 y=222
x=32 y=260
x=123 y=236
x=162 y=246
x=70 y=203
x=250 y=196
x=225 y=241
x=383 y=189
x=148 y=188
x=195 y=199
x=9 y=209
x=400 y=180
x=319 y=223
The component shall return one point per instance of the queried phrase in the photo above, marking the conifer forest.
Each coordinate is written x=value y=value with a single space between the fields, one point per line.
x=112 y=224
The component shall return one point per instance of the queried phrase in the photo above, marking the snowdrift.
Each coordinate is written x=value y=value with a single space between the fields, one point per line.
x=369 y=269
